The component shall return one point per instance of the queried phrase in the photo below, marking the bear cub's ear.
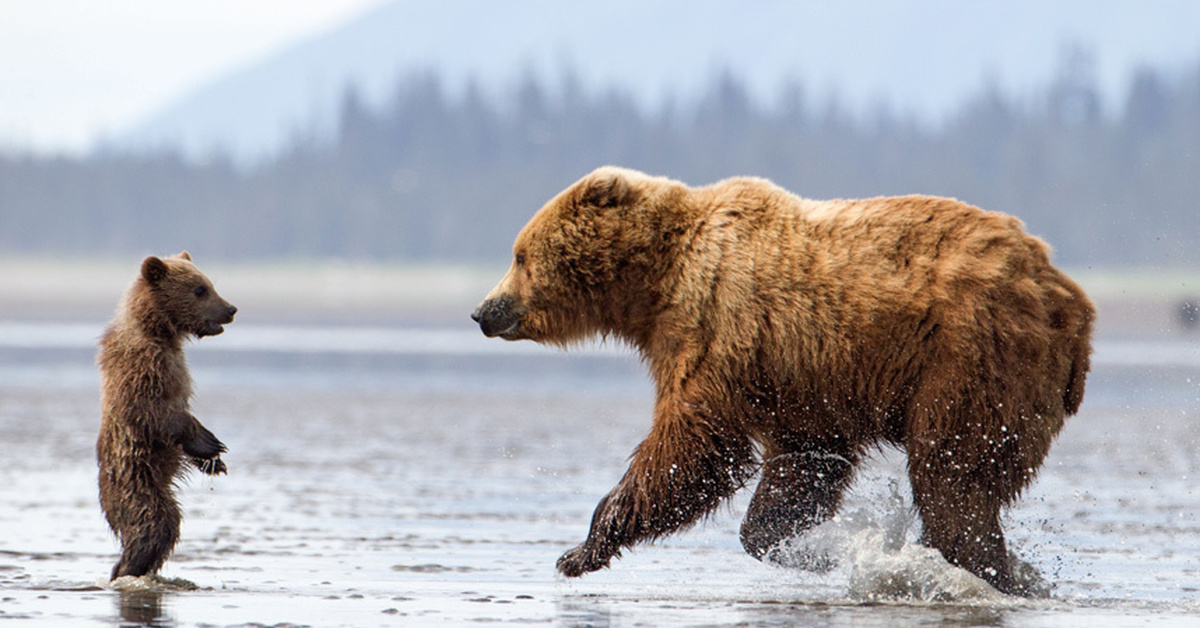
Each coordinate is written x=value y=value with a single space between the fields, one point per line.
x=184 y=255
x=607 y=187
x=153 y=269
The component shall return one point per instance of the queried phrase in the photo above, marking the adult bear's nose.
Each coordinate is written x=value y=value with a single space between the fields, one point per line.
x=496 y=316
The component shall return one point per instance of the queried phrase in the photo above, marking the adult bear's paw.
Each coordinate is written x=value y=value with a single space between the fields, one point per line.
x=583 y=559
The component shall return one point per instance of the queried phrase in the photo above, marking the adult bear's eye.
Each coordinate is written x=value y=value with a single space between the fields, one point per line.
x=200 y=292
x=520 y=259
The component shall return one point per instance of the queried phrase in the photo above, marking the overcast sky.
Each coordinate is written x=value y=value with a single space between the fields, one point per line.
x=74 y=71
x=71 y=70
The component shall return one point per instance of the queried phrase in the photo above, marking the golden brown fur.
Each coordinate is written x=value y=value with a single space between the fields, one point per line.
x=147 y=430
x=803 y=333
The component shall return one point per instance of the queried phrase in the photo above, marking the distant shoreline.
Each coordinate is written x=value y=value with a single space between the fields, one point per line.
x=1131 y=302
x=279 y=292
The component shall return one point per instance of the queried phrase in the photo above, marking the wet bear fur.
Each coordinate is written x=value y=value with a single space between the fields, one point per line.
x=147 y=433
x=792 y=336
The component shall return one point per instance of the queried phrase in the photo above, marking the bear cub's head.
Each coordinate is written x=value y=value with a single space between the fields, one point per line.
x=590 y=261
x=183 y=297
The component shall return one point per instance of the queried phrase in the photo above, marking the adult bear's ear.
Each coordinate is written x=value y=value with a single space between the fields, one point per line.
x=607 y=187
x=184 y=255
x=153 y=269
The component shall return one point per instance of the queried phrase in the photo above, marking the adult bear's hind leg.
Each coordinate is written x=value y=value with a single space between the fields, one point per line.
x=797 y=492
x=965 y=527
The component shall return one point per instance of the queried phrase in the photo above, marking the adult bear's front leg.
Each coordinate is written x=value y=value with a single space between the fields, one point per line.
x=605 y=538
x=797 y=492
x=677 y=475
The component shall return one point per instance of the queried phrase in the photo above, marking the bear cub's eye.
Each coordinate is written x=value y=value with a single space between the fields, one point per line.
x=200 y=292
x=520 y=259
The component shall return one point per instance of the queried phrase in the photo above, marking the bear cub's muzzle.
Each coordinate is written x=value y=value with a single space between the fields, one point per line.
x=216 y=325
x=497 y=317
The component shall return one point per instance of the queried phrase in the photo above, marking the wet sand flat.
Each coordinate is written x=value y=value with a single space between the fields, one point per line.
x=439 y=487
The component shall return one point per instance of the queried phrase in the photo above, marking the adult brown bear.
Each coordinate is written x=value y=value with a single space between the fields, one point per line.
x=804 y=333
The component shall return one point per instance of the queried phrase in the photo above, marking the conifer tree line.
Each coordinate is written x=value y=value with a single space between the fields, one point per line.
x=438 y=175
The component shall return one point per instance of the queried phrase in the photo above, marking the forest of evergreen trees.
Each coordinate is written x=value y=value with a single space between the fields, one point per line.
x=436 y=177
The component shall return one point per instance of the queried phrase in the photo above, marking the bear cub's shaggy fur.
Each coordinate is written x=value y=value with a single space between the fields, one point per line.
x=147 y=431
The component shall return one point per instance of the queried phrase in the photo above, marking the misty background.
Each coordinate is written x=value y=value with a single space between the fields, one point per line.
x=352 y=173
x=430 y=132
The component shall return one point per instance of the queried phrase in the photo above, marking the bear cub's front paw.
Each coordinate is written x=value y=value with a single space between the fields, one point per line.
x=204 y=445
x=210 y=466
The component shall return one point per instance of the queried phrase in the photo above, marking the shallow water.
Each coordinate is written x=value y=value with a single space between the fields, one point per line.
x=383 y=477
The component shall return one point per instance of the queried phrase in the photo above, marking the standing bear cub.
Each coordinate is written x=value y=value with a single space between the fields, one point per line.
x=802 y=334
x=147 y=431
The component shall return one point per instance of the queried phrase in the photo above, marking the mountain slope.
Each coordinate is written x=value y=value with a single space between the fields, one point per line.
x=920 y=56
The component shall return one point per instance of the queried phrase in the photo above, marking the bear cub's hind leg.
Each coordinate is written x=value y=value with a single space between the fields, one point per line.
x=146 y=545
x=797 y=492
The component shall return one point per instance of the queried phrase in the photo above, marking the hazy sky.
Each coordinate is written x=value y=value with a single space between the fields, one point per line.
x=71 y=70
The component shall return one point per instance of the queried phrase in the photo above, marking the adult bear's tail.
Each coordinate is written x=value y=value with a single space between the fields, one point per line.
x=1078 y=325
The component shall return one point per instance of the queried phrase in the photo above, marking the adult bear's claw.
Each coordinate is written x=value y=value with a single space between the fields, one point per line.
x=580 y=560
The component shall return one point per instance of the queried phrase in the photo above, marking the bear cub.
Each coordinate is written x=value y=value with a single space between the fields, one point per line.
x=147 y=432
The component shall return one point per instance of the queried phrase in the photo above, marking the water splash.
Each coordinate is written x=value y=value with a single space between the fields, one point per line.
x=911 y=573
x=150 y=583
x=873 y=545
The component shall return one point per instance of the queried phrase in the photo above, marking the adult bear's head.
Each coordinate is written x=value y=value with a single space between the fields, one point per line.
x=593 y=260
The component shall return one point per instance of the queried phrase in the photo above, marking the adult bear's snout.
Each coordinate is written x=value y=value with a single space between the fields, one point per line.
x=496 y=317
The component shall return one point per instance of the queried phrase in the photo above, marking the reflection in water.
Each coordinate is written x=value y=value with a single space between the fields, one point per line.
x=576 y=613
x=144 y=608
